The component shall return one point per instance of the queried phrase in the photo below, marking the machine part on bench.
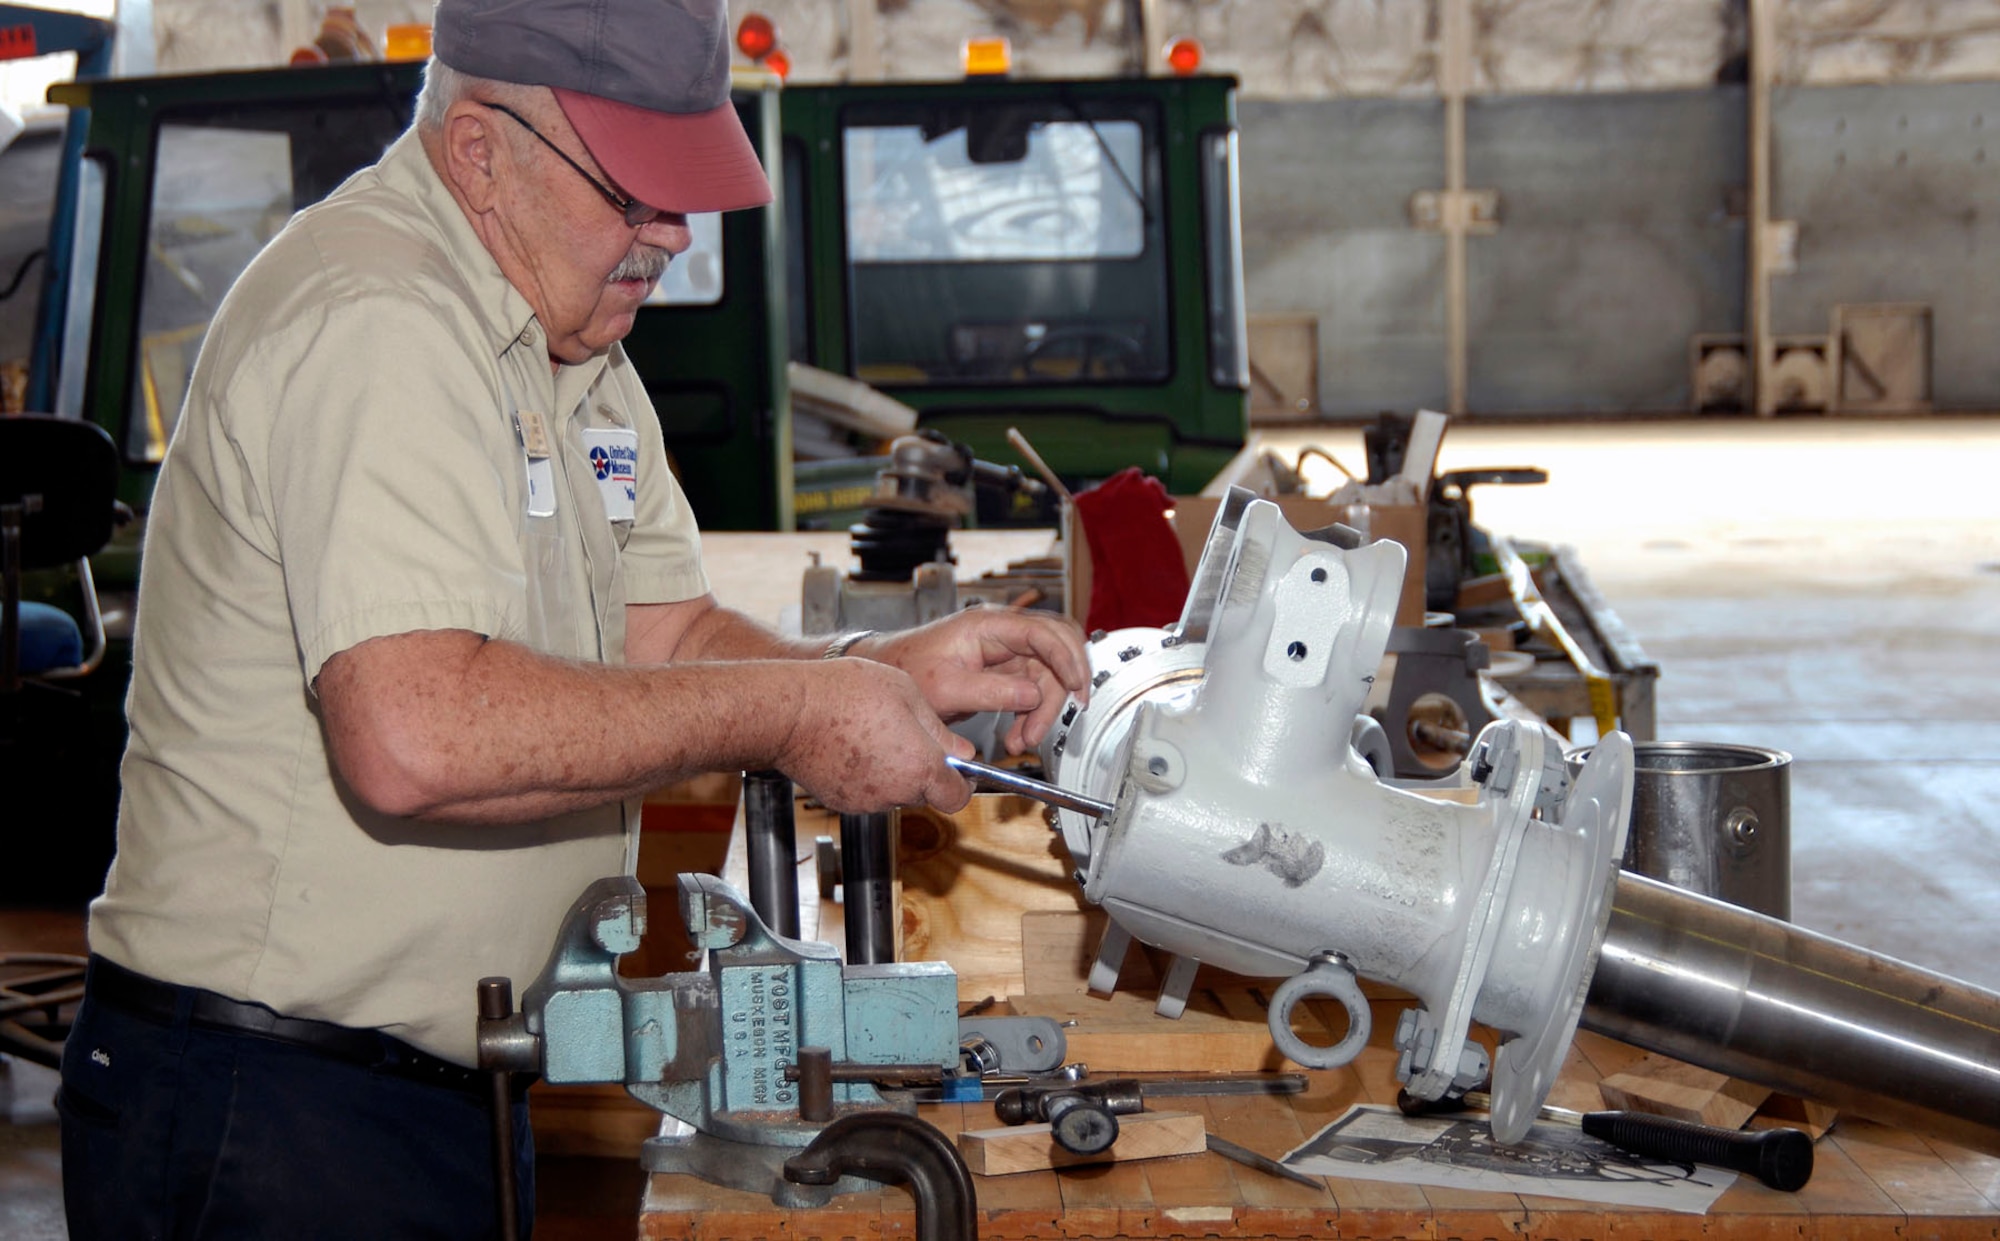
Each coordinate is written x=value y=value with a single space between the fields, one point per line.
x=1177 y=986
x=896 y=1149
x=1248 y=834
x=1330 y=976
x=1110 y=960
x=709 y=1047
x=976 y=1055
x=1017 y=1044
x=1437 y=702
x=1371 y=741
x=867 y=886
x=1125 y=1095
x=1753 y=997
x=771 y=840
x=902 y=545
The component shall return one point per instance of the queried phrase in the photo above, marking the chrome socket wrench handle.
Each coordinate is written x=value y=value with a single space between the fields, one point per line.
x=1027 y=786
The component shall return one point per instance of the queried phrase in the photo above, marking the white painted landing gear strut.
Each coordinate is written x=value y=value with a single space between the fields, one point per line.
x=1247 y=832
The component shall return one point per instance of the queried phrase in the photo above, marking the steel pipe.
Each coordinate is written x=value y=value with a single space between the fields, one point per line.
x=867 y=882
x=1756 y=998
x=771 y=832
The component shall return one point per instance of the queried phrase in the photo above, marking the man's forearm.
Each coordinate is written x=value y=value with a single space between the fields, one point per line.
x=449 y=727
x=726 y=634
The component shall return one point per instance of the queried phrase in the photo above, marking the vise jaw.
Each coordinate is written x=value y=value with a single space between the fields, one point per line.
x=711 y=1047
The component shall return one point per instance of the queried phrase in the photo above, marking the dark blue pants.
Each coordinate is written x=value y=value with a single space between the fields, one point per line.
x=171 y=1130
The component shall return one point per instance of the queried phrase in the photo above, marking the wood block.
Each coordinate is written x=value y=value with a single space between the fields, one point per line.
x=1058 y=947
x=1031 y=1148
x=1665 y=1087
x=1783 y=1111
x=967 y=880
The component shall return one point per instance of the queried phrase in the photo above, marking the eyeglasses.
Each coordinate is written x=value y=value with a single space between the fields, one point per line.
x=634 y=211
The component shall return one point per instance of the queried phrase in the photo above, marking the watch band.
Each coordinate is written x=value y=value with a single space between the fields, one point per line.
x=839 y=646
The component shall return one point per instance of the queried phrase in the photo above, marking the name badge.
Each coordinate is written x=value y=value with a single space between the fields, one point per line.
x=533 y=432
x=614 y=459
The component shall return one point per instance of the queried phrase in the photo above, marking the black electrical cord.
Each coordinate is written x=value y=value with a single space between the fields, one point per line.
x=21 y=273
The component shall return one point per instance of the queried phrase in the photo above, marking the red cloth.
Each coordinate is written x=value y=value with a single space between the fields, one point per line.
x=1137 y=576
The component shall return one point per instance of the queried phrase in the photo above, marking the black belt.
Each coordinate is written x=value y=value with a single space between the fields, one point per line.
x=149 y=999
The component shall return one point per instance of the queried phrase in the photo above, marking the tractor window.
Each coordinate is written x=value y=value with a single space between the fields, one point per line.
x=1005 y=244
x=218 y=196
x=225 y=180
x=1070 y=194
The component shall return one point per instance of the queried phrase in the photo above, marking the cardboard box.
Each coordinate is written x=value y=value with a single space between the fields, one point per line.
x=1193 y=516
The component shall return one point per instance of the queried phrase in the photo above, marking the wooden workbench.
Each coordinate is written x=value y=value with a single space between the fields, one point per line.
x=1869 y=1181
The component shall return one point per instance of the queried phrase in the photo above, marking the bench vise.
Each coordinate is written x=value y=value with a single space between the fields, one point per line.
x=717 y=1049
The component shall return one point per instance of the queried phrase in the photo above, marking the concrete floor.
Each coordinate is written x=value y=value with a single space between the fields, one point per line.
x=1829 y=588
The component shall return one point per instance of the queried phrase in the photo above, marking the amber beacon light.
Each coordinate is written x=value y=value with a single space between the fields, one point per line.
x=987 y=57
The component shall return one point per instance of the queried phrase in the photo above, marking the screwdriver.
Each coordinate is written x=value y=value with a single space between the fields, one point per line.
x=1028 y=786
x=1780 y=1158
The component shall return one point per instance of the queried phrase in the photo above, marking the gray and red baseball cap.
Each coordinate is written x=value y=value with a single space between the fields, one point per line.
x=645 y=83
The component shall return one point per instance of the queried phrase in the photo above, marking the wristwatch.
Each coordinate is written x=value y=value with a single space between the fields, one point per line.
x=839 y=646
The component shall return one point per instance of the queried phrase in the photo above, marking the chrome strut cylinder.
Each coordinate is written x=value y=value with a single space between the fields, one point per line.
x=1756 y=998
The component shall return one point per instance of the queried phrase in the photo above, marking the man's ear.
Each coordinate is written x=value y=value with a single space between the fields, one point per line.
x=471 y=154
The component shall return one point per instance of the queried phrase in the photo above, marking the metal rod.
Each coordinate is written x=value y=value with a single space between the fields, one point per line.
x=772 y=837
x=496 y=1003
x=1035 y=462
x=1028 y=786
x=1263 y=1163
x=1756 y=998
x=867 y=880
x=815 y=1077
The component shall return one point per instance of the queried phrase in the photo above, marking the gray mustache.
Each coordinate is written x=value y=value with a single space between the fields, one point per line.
x=644 y=263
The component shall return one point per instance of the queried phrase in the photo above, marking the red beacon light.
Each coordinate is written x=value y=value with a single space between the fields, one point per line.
x=756 y=37
x=1183 y=56
x=779 y=63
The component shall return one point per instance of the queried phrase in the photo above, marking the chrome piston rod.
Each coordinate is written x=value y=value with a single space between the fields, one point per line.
x=1756 y=998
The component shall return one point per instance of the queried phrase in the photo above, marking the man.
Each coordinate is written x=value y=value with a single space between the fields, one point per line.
x=403 y=666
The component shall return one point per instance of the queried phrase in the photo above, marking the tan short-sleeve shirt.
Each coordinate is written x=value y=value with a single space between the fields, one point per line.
x=358 y=458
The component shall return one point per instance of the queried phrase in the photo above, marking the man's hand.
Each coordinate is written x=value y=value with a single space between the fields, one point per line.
x=993 y=659
x=864 y=740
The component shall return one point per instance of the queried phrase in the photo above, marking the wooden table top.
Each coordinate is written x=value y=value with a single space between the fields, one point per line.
x=1868 y=1181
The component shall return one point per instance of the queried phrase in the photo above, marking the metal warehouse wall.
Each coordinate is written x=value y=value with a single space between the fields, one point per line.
x=1609 y=129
